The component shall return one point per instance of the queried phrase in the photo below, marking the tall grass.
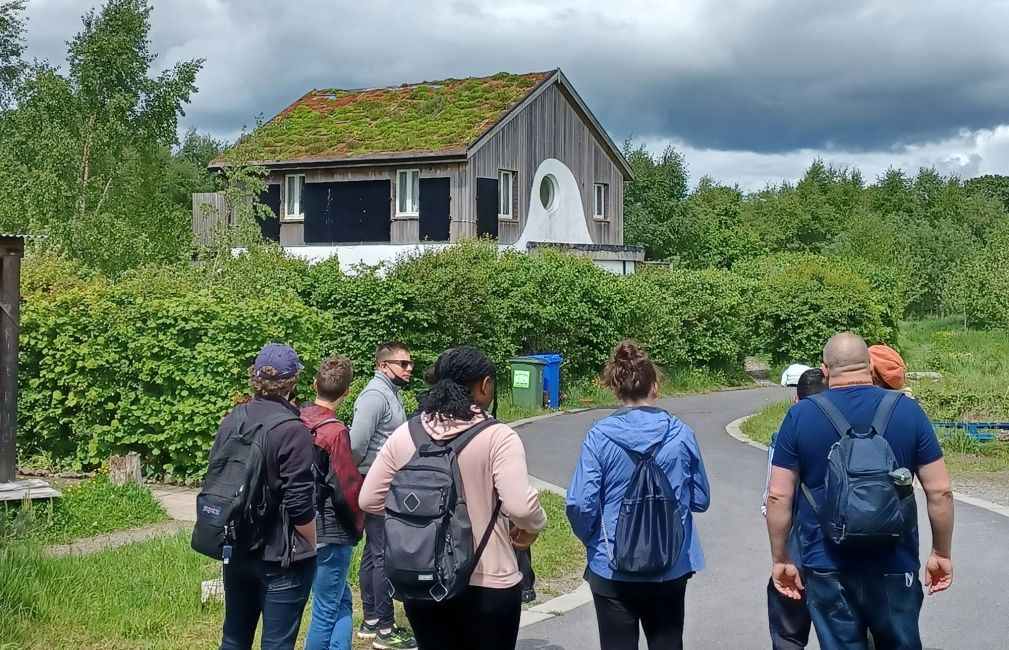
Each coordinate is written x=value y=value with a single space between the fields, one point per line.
x=974 y=366
x=147 y=595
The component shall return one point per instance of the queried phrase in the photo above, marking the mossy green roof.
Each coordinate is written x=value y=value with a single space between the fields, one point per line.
x=431 y=117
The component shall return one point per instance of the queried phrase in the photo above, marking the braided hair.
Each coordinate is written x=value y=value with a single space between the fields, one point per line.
x=451 y=382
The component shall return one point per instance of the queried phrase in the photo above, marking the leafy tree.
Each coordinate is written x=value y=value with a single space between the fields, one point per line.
x=12 y=46
x=654 y=214
x=188 y=169
x=88 y=148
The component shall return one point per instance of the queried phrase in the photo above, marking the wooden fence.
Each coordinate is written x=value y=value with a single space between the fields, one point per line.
x=211 y=213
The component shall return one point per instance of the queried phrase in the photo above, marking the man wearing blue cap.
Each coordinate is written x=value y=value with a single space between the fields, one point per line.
x=273 y=580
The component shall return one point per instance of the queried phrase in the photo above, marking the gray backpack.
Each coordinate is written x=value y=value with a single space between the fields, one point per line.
x=430 y=552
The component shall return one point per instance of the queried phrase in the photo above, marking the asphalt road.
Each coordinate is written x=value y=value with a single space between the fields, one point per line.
x=726 y=603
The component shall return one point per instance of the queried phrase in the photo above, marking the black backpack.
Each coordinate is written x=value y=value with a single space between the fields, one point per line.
x=861 y=508
x=430 y=552
x=649 y=535
x=235 y=501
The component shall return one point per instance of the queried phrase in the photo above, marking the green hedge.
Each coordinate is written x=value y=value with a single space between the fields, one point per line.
x=800 y=300
x=152 y=361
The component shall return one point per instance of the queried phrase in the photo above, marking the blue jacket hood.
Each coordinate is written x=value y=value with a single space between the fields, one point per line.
x=639 y=428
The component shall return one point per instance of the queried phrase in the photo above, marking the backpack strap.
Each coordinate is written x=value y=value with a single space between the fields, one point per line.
x=319 y=425
x=487 y=533
x=840 y=423
x=421 y=437
x=885 y=411
x=809 y=497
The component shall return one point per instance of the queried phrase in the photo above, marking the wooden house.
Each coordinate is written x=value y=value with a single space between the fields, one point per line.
x=367 y=173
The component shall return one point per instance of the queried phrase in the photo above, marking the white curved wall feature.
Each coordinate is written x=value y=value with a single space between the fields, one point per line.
x=565 y=222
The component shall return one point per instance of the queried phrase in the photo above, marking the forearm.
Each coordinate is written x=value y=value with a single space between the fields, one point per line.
x=779 y=524
x=940 y=516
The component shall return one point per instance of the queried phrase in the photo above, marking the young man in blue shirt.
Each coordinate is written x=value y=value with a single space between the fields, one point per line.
x=850 y=592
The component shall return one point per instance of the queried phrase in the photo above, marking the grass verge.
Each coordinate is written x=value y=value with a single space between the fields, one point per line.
x=92 y=507
x=964 y=455
x=147 y=595
x=765 y=424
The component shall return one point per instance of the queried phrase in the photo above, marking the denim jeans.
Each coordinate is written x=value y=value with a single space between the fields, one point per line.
x=844 y=606
x=332 y=601
x=254 y=589
x=376 y=598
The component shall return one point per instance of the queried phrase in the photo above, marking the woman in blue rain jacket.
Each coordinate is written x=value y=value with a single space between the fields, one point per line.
x=600 y=481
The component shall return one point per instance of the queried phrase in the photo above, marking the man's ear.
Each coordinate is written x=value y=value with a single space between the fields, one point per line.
x=826 y=373
x=346 y=392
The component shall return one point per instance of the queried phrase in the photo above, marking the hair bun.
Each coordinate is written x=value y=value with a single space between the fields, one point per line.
x=627 y=353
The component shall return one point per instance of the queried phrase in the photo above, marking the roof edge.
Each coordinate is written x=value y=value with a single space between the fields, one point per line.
x=557 y=77
x=370 y=159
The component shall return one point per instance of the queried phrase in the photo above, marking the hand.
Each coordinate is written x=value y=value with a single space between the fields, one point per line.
x=787 y=580
x=938 y=573
x=522 y=540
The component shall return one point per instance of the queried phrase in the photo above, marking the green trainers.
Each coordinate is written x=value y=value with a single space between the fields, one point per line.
x=398 y=639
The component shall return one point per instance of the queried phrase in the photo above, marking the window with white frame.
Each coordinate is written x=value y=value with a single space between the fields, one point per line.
x=408 y=193
x=295 y=191
x=505 y=193
x=599 y=200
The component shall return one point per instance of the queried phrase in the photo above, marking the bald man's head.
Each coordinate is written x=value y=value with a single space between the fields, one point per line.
x=846 y=354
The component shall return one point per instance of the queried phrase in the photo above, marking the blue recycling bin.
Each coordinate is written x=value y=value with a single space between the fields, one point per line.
x=551 y=376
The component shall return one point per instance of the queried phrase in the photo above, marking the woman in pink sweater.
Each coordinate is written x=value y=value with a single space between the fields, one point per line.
x=492 y=467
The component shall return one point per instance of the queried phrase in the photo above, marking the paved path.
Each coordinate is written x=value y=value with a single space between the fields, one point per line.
x=726 y=603
x=179 y=502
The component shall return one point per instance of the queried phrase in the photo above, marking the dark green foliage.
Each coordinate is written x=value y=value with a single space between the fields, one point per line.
x=918 y=229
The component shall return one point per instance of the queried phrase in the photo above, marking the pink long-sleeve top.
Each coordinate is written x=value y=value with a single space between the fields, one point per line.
x=492 y=467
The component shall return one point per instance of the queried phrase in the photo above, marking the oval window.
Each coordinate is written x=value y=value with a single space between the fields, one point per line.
x=548 y=192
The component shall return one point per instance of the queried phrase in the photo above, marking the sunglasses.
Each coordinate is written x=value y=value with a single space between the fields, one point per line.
x=406 y=365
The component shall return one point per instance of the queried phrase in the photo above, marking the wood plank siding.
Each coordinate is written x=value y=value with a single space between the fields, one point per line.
x=405 y=230
x=548 y=127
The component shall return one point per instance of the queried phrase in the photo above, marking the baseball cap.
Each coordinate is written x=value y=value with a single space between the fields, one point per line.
x=277 y=361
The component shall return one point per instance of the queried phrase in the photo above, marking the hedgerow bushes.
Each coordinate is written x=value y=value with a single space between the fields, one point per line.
x=151 y=362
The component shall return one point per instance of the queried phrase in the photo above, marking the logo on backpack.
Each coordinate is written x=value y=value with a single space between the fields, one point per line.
x=649 y=535
x=862 y=506
x=234 y=501
x=430 y=550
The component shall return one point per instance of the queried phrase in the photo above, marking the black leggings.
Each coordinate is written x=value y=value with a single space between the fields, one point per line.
x=657 y=606
x=480 y=618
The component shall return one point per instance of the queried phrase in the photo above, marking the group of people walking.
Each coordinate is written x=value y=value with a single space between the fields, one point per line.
x=444 y=504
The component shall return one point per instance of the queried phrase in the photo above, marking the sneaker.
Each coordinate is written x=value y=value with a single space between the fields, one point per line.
x=367 y=631
x=528 y=596
x=398 y=639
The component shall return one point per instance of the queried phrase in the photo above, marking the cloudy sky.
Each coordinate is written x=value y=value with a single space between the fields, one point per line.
x=749 y=90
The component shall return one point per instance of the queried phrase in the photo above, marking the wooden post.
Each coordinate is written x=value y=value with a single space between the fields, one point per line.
x=11 y=249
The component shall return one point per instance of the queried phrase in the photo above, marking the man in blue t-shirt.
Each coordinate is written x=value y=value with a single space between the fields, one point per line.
x=849 y=592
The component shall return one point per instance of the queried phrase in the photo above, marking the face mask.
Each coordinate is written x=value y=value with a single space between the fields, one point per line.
x=399 y=382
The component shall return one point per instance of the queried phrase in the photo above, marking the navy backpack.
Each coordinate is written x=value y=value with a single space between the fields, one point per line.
x=861 y=507
x=649 y=535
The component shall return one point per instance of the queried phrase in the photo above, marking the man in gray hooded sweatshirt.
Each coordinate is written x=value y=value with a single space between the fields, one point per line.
x=378 y=411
